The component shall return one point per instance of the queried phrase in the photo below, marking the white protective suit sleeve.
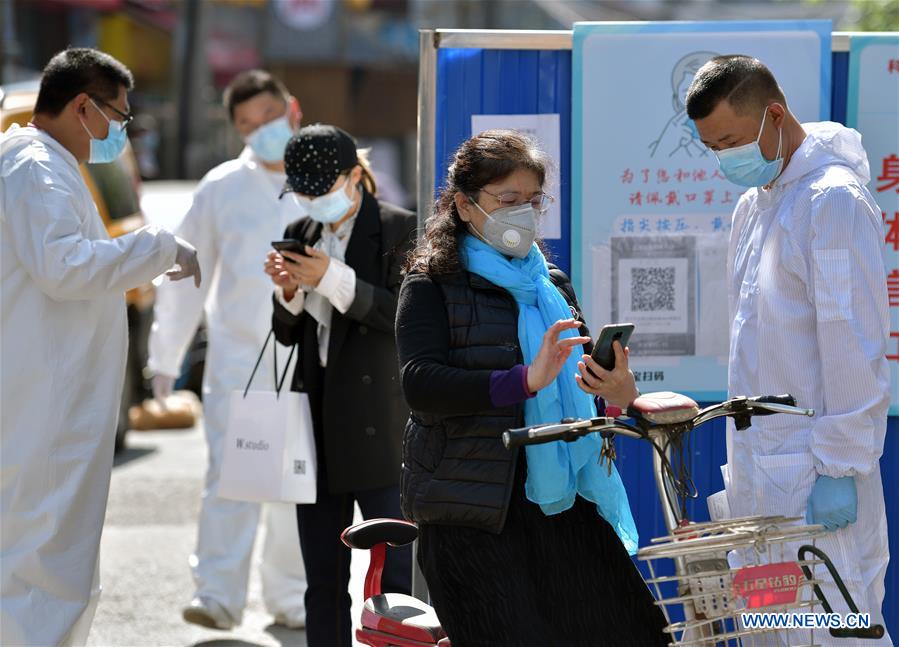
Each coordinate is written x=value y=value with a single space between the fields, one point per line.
x=179 y=305
x=848 y=288
x=66 y=266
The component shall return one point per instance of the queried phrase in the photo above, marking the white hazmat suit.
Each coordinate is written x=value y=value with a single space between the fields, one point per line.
x=809 y=317
x=64 y=347
x=234 y=217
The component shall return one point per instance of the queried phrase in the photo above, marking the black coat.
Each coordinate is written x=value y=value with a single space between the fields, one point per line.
x=453 y=331
x=357 y=404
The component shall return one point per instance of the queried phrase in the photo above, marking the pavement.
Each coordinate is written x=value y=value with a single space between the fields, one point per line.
x=150 y=532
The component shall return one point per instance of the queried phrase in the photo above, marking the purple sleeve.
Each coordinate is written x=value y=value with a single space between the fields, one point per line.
x=509 y=387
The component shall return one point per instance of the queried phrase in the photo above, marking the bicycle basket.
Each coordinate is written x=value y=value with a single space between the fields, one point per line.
x=727 y=568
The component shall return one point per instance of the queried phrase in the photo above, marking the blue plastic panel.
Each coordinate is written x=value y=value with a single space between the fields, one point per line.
x=511 y=82
x=839 y=69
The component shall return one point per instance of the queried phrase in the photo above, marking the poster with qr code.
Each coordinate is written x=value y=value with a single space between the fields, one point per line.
x=652 y=288
x=651 y=211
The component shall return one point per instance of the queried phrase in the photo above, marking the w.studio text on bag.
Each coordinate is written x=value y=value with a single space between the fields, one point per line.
x=249 y=444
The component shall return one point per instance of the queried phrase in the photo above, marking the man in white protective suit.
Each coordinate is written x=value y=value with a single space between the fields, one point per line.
x=235 y=216
x=63 y=341
x=809 y=317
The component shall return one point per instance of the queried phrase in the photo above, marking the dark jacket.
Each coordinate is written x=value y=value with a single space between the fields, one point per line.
x=357 y=404
x=453 y=331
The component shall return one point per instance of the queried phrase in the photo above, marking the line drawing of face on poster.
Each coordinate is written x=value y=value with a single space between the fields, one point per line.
x=679 y=136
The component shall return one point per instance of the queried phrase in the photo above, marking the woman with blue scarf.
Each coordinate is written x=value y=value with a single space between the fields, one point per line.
x=518 y=548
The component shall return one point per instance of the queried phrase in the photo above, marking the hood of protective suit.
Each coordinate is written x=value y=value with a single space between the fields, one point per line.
x=18 y=137
x=826 y=144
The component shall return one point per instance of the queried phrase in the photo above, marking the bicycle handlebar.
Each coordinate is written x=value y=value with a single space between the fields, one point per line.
x=786 y=400
x=570 y=429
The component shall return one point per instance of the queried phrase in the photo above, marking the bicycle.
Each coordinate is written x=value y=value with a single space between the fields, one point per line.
x=711 y=593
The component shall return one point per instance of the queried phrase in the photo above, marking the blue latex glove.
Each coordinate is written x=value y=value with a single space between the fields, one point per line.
x=833 y=502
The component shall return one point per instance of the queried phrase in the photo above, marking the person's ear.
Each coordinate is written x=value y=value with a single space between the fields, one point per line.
x=295 y=112
x=778 y=114
x=463 y=206
x=80 y=105
x=356 y=174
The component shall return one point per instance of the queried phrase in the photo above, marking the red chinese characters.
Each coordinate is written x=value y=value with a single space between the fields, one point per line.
x=892 y=235
x=893 y=288
x=895 y=356
x=674 y=187
x=890 y=174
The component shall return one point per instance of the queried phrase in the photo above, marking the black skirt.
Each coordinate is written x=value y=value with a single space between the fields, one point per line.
x=544 y=581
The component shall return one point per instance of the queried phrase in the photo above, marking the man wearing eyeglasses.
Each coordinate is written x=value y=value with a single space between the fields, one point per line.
x=63 y=342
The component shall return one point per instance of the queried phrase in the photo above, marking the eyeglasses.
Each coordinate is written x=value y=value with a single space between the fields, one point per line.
x=539 y=202
x=126 y=118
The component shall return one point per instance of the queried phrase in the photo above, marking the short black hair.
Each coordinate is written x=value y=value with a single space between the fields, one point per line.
x=76 y=70
x=247 y=85
x=743 y=81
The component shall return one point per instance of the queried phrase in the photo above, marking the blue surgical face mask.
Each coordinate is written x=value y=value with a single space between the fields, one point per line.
x=107 y=150
x=329 y=208
x=745 y=165
x=269 y=140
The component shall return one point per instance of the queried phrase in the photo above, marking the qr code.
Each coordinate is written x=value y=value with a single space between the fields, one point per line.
x=299 y=467
x=652 y=288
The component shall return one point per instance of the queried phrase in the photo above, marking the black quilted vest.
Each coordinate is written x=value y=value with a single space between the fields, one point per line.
x=466 y=475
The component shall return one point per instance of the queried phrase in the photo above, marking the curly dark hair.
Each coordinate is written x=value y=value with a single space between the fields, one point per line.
x=485 y=158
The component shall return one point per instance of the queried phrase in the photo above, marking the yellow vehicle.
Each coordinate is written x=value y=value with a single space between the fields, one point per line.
x=116 y=191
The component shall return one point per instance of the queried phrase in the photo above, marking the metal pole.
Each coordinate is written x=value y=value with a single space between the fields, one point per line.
x=185 y=65
x=10 y=50
x=666 y=490
x=427 y=116
x=427 y=90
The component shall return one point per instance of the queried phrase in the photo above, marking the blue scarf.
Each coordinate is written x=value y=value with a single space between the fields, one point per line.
x=558 y=471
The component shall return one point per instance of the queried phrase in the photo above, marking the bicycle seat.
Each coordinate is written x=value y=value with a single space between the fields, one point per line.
x=370 y=533
x=663 y=408
x=402 y=615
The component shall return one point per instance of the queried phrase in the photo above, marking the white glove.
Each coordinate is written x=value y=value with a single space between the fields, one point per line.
x=186 y=260
x=162 y=387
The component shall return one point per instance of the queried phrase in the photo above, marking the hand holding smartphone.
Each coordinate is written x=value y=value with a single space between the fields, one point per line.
x=603 y=352
x=290 y=245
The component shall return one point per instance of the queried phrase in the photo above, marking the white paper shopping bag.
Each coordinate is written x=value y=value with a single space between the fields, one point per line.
x=269 y=446
x=270 y=450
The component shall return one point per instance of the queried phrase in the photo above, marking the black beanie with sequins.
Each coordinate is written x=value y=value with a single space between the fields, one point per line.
x=315 y=157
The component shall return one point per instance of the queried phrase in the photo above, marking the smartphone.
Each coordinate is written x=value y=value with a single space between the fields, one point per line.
x=603 y=353
x=290 y=245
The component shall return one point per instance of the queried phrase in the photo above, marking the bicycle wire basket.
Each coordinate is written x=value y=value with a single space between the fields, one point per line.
x=763 y=575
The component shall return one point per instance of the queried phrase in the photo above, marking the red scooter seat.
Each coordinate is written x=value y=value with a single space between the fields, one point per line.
x=402 y=615
x=663 y=408
x=368 y=534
